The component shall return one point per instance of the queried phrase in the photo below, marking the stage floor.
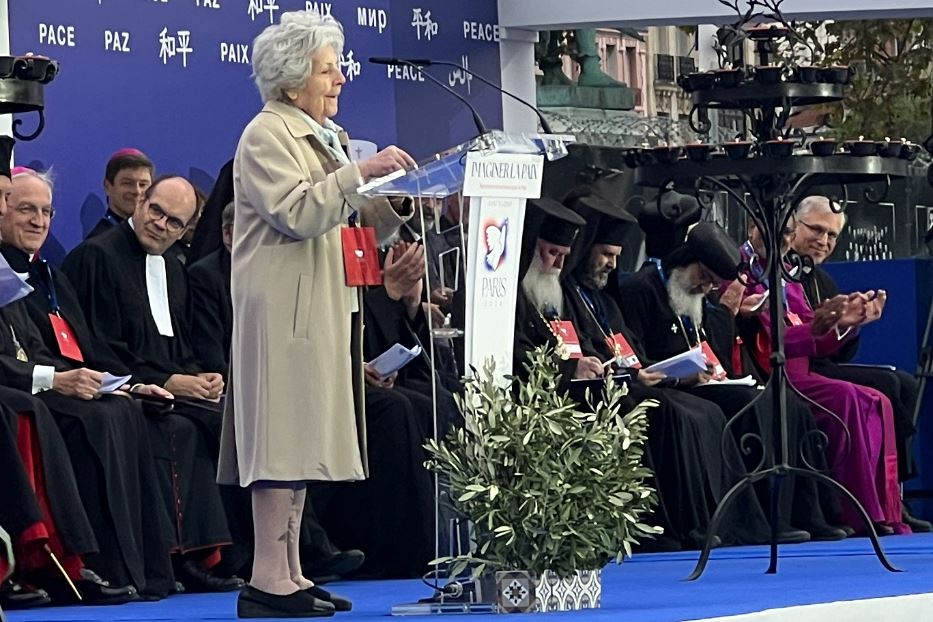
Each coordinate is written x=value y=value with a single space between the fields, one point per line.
x=647 y=588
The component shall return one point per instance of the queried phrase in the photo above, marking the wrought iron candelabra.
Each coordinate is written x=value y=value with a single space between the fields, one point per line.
x=767 y=172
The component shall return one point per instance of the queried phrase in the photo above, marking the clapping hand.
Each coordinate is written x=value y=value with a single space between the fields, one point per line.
x=403 y=270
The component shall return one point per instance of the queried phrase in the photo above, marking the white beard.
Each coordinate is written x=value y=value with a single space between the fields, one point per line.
x=682 y=301
x=543 y=288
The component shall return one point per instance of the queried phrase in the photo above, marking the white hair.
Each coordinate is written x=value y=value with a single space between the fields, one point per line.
x=818 y=204
x=543 y=288
x=682 y=301
x=282 y=52
x=46 y=177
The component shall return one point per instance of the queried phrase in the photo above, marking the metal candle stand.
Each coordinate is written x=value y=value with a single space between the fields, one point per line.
x=767 y=178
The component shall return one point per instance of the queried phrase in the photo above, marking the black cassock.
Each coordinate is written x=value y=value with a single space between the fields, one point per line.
x=901 y=388
x=19 y=507
x=108 y=274
x=211 y=310
x=684 y=436
x=182 y=457
x=109 y=447
x=390 y=516
x=645 y=305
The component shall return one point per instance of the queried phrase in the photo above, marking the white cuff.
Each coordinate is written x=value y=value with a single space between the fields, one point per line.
x=42 y=378
x=840 y=337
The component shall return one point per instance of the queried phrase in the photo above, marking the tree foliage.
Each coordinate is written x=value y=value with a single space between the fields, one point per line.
x=891 y=93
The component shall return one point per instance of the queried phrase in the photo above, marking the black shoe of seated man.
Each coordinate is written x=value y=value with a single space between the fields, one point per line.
x=253 y=603
x=15 y=595
x=917 y=525
x=793 y=536
x=94 y=591
x=339 y=602
x=335 y=567
x=826 y=533
x=196 y=578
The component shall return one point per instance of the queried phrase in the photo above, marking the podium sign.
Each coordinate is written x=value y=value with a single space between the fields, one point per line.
x=497 y=185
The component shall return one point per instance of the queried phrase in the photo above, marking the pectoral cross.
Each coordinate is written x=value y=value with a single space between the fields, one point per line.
x=674 y=328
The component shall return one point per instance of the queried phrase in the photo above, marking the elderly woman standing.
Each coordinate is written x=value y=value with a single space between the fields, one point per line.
x=295 y=402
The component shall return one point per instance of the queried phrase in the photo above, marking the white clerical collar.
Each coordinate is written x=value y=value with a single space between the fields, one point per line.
x=157 y=290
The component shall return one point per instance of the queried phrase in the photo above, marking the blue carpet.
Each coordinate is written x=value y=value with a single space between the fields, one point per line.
x=647 y=588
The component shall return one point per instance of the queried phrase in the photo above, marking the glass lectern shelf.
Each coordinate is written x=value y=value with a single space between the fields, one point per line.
x=442 y=174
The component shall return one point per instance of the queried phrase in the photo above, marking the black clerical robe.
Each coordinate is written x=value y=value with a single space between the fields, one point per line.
x=106 y=223
x=109 y=447
x=185 y=470
x=902 y=388
x=389 y=515
x=109 y=276
x=531 y=331
x=211 y=310
x=646 y=308
x=685 y=448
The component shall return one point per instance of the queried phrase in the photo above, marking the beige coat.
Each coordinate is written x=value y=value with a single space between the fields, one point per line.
x=295 y=408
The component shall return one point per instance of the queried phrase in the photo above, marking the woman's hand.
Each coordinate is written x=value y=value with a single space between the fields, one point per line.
x=386 y=161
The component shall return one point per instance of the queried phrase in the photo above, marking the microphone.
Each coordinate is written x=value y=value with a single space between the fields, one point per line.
x=381 y=60
x=544 y=124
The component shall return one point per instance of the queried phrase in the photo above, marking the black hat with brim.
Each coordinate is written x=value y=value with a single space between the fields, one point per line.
x=709 y=244
x=666 y=225
x=560 y=225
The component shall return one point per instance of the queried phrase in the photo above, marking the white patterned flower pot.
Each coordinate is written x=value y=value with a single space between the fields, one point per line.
x=519 y=592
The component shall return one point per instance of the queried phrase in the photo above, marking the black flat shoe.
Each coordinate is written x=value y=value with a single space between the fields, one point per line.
x=195 y=578
x=339 y=602
x=253 y=603
x=14 y=596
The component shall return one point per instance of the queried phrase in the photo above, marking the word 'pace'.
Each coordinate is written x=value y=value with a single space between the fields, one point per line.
x=56 y=34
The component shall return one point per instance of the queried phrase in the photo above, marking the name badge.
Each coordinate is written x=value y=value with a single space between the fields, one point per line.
x=621 y=349
x=793 y=319
x=719 y=372
x=360 y=259
x=67 y=344
x=568 y=344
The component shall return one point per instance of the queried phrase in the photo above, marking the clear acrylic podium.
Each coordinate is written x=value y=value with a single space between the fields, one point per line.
x=439 y=177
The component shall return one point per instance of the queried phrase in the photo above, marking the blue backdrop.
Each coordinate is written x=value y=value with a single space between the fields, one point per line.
x=172 y=77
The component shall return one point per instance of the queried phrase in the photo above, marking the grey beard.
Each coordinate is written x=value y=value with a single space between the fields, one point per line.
x=543 y=289
x=683 y=302
x=595 y=281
